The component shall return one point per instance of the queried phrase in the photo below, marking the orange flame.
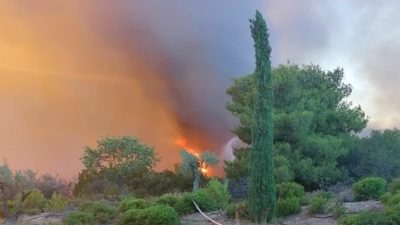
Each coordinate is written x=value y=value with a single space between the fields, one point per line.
x=183 y=143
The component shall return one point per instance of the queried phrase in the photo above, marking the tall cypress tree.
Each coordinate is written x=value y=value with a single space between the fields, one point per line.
x=262 y=193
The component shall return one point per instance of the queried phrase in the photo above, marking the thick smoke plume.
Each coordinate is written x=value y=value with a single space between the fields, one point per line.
x=73 y=71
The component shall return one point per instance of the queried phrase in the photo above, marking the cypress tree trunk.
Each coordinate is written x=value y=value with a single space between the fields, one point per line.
x=262 y=193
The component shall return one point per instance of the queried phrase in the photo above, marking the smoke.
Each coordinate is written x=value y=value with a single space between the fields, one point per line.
x=72 y=72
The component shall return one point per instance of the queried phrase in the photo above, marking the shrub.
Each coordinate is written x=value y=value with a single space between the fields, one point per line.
x=132 y=217
x=394 y=186
x=79 y=218
x=338 y=210
x=57 y=203
x=369 y=188
x=132 y=203
x=219 y=192
x=153 y=215
x=102 y=212
x=318 y=205
x=161 y=215
x=393 y=200
x=34 y=203
x=366 y=218
x=168 y=199
x=184 y=205
x=204 y=200
x=385 y=197
x=290 y=190
x=231 y=210
x=288 y=206
x=215 y=196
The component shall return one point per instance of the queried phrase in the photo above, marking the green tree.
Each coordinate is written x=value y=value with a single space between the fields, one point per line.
x=116 y=157
x=314 y=125
x=375 y=155
x=195 y=164
x=262 y=193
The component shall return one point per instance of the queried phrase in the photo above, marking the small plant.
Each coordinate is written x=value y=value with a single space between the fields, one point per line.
x=102 y=212
x=290 y=190
x=184 y=205
x=132 y=203
x=79 y=218
x=394 y=186
x=57 y=203
x=288 y=206
x=153 y=215
x=167 y=199
x=318 y=205
x=219 y=192
x=369 y=188
x=34 y=203
x=338 y=210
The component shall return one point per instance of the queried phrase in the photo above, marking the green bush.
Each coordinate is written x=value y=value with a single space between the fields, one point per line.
x=79 y=218
x=385 y=197
x=394 y=186
x=231 y=210
x=288 y=206
x=184 y=205
x=369 y=188
x=318 y=205
x=57 y=203
x=161 y=215
x=102 y=212
x=132 y=203
x=290 y=190
x=167 y=199
x=393 y=200
x=219 y=192
x=366 y=218
x=241 y=207
x=338 y=210
x=34 y=203
x=132 y=217
x=215 y=196
x=153 y=215
x=204 y=200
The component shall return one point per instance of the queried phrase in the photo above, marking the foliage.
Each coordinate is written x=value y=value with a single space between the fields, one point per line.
x=241 y=207
x=34 y=203
x=184 y=206
x=214 y=196
x=57 y=203
x=394 y=186
x=288 y=190
x=314 y=125
x=116 y=157
x=367 y=218
x=338 y=210
x=393 y=200
x=376 y=155
x=193 y=165
x=49 y=184
x=318 y=205
x=262 y=196
x=154 y=215
x=132 y=203
x=167 y=199
x=103 y=212
x=369 y=188
x=79 y=218
x=288 y=206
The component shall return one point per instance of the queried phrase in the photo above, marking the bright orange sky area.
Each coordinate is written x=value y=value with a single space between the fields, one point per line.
x=62 y=87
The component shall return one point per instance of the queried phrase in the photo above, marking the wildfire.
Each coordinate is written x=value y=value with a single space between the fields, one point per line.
x=183 y=143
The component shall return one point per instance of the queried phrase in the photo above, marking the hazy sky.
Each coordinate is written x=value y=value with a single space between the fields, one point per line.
x=73 y=71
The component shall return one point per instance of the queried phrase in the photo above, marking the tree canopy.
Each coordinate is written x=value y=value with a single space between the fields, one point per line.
x=313 y=119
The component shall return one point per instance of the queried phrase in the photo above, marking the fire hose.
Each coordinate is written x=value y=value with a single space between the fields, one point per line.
x=208 y=218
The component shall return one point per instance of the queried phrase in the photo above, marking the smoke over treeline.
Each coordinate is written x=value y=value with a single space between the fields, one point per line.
x=74 y=71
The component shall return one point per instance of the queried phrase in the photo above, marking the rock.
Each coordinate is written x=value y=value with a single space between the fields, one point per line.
x=40 y=219
x=356 y=207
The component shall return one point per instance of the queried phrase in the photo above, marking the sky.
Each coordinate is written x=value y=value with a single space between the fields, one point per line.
x=74 y=71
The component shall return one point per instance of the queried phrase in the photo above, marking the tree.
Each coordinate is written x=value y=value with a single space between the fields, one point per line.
x=196 y=165
x=116 y=157
x=314 y=125
x=375 y=155
x=262 y=193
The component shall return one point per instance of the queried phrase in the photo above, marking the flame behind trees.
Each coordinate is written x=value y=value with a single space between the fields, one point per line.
x=194 y=163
